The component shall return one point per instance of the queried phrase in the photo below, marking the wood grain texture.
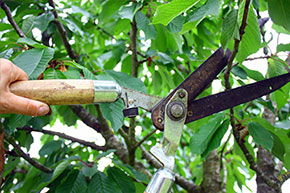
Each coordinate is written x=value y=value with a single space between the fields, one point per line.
x=56 y=92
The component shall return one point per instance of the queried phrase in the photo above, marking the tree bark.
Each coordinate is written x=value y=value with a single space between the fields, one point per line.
x=265 y=160
x=211 y=174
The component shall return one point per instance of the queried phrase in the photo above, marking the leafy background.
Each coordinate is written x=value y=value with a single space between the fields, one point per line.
x=150 y=46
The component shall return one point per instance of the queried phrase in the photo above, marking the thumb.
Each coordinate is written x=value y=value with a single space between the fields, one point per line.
x=21 y=105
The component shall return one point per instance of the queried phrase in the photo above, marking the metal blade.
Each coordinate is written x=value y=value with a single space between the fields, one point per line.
x=215 y=103
x=194 y=84
x=133 y=98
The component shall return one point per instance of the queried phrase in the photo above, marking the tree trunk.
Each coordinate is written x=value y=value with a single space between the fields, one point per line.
x=266 y=160
x=211 y=174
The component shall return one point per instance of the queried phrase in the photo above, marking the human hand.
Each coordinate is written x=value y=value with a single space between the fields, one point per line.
x=10 y=103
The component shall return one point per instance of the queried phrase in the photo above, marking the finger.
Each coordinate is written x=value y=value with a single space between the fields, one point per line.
x=18 y=74
x=21 y=105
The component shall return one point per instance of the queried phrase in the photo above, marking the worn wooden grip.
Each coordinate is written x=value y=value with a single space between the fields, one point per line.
x=56 y=92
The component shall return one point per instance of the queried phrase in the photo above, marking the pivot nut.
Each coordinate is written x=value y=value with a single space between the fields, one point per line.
x=176 y=110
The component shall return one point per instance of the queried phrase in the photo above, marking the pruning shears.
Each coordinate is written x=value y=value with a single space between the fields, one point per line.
x=168 y=114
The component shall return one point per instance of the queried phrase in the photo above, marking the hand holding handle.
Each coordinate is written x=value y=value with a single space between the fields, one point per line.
x=67 y=92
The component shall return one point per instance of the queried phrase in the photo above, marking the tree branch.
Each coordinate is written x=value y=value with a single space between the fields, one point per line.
x=133 y=37
x=86 y=117
x=25 y=156
x=64 y=136
x=62 y=32
x=112 y=142
x=131 y=133
x=11 y=20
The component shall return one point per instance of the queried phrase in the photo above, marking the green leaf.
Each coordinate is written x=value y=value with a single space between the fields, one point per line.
x=278 y=148
x=30 y=42
x=280 y=98
x=157 y=82
x=176 y=24
x=5 y=26
x=6 y=53
x=217 y=137
x=143 y=23
x=42 y=21
x=53 y=74
x=72 y=73
x=60 y=168
x=255 y=75
x=275 y=68
x=230 y=28
x=15 y=121
x=76 y=9
x=73 y=26
x=160 y=42
x=280 y=29
x=128 y=12
x=28 y=25
x=165 y=58
x=100 y=183
x=90 y=171
x=200 y=140
x=281 y=145
x=127 y=81
x=283 y=47
x=240 y=72
x=104 y=154
x=261 y=135
x=285 y=124
x=230 y=180
x=109 y=9
x=123 y=181
x=279 y=12
x=127 y=65
x=50 y=147
x=118 y=50
x=34 y=61
x=167 y=12
x=251 y=41
x=74 y=183
x=132 y=172
x=212 y=7
x=114 y=113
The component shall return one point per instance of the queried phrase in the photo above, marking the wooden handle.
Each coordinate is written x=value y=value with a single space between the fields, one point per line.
x=56 y=92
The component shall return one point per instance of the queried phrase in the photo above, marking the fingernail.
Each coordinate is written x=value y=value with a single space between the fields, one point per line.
x=43 y=110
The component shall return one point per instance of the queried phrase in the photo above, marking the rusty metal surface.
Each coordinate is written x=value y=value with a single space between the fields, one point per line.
x=194 y=84
x=215 y=103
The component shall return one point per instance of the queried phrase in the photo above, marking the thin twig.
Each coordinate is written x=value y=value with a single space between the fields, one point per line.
x=11 y=20
x=284 y=177
x=25 y=156
x=62 y=32
x=222 y=151
x=260 y=57
x=237 y=43
x=64 y=136
x=145 y=138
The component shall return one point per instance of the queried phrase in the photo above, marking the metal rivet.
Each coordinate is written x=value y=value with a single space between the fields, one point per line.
x=159 y=120
x=181 y=94
x=190 y=113
x=131 y=101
